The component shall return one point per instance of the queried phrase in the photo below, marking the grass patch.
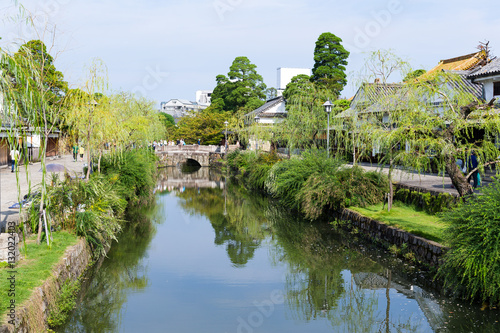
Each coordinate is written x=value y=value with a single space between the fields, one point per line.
x=34 y=269
x=409 y=219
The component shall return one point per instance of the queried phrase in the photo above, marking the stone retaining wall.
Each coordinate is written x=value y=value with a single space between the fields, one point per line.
x=425 y=250
x=33 y=314
x=9 y=243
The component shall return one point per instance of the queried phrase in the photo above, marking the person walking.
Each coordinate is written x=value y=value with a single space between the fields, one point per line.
x=75 y=152
x=14 y=155
x=81 y=151
x=473 y=164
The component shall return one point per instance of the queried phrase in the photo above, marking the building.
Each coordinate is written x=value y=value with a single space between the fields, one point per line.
x=489 y=77
x=204 y=97
x=272 y=112
x=179 y=108
x=285 y=76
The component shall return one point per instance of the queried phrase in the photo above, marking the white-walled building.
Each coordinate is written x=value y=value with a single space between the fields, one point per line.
x=204 y=97
x=179 y=108
x=489 y=76
x=285 y=76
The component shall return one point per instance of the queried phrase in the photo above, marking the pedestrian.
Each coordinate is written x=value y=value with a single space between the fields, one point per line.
x=199 y=142
x=81 y=151
x=75 y=152
x=14 y=155
x=473 y=164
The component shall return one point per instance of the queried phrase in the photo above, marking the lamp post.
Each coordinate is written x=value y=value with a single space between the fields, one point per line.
x=328 y=109
x=225 y=135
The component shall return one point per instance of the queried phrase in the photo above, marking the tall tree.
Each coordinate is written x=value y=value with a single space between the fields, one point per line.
x=242 y=88
x=306 y=116
x=330 y=59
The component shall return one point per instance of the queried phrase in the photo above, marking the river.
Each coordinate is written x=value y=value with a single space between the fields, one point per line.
x=212 y=257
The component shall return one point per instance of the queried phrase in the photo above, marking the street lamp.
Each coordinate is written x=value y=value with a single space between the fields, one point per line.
x=328 y=109
x=225 y=142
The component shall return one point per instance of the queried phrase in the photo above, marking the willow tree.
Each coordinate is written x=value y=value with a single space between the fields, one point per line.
x=306 y=117
x=34 y=93
x=88 y=107
x=431 y=122
x=135 y=120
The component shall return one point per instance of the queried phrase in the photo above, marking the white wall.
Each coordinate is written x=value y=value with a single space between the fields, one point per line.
x=285 y=75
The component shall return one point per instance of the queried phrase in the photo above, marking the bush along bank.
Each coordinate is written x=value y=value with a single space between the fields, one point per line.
x=315 y=185
x=312 y=184
x=94 y=211
x=472 y=266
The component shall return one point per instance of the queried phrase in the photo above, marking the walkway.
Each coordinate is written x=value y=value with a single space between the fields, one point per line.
x=8 y=186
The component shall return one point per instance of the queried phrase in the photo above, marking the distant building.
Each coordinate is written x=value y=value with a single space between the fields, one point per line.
x=285 y=76
x=179 y=108
x=204 y=97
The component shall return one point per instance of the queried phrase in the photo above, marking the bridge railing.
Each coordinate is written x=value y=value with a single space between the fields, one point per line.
x=200 y=148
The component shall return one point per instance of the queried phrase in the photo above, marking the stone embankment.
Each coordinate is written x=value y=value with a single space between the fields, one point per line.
x=33 y=314
x=425 y=251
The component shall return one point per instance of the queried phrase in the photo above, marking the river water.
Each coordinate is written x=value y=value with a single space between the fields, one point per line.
x=212 y=257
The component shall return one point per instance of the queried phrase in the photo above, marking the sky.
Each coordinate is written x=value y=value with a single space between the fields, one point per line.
x=164 y=49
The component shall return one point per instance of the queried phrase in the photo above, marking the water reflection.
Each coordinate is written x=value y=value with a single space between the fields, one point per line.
x=328 y=278
x=175 y=178
x=331 y=281
x=107 y=287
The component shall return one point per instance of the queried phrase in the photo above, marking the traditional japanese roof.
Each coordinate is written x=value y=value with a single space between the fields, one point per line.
x=462 y=63
x=493 y=68
x=464 y=84
x=370 y=93
x=261 y=112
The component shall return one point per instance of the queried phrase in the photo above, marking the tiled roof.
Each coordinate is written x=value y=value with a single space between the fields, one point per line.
x=269 y=104
x=492 y=68
x=461 y=63
x=371 y=93
x=466 y=85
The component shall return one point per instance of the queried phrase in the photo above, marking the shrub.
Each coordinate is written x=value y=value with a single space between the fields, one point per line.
x=132 y=173
x=431 y=204
x=474 y=238
x=254 y=168
x=340 y=189
x=287 y=177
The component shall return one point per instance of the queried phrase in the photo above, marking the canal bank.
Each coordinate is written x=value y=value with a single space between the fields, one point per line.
x=320 y=188
x=92 y=210
x=222 y=259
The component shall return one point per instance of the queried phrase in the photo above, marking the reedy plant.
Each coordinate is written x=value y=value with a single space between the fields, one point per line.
x=474 y=237
x=287 y=177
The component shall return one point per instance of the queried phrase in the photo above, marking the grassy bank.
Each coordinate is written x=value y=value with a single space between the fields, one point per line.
x=34 y=269
x=409 y=219
x=315 y=186
x=92 y=209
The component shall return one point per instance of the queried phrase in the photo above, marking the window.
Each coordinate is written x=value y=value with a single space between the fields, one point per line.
x=496 y=88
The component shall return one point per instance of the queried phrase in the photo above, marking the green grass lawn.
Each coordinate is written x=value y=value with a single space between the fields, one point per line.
x=407 y=218
x=34 y=269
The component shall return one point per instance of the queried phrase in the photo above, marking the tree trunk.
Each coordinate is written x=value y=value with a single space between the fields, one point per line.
x=457 y=178
x=391 y=187
x=88 y=155
x=99 y=163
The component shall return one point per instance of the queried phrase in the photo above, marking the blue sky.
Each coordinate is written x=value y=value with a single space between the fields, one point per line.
x=170 y=49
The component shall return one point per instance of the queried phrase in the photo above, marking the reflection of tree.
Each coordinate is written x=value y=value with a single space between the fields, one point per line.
x=241 y=229
x=102 y=298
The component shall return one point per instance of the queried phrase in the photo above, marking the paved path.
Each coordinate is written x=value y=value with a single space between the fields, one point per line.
x=8 y=184
x=424 y=180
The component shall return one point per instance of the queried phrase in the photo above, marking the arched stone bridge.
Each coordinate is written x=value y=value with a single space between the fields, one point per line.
x=175 y=155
